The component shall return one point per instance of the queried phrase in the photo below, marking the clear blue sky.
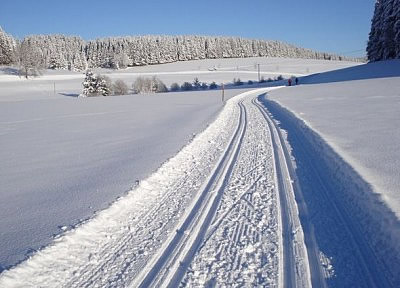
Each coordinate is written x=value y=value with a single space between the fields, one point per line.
x=340 y=26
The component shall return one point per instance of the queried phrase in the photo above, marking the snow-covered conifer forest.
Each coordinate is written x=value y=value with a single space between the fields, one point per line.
x=73 y=53
x=384 y=38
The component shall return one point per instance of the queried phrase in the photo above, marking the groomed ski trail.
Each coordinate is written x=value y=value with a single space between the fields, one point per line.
x=223 y=195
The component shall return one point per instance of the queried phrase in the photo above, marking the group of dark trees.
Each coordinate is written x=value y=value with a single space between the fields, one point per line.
x=384 y=38
x=73 y=53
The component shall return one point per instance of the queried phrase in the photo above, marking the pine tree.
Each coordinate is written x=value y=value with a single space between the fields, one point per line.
x=103 y=85
x=7 y=48
x=396 y=12
x=388 y=35
x=89 y=84
x=384 y=38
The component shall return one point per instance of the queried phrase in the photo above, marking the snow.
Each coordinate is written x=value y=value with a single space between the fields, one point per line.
x=115 y=245
x=356 y=111
x=343 y=128
x=64 y=158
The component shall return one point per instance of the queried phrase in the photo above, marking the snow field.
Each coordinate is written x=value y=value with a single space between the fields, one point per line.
x=131 y=230
x=66 y=158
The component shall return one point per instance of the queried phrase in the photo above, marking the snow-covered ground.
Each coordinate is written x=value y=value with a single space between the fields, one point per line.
x=211 y=214
x=218 y=70
x=356 y=111
x=343 y=127
x=64 y=157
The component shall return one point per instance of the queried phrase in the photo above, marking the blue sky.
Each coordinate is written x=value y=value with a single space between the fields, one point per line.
x=340 y=26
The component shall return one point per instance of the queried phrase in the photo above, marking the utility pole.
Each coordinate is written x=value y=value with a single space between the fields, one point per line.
x=54 y=86
x=223 y=92
x=259 y=78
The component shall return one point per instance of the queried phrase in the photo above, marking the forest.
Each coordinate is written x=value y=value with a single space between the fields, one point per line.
x=74 y=53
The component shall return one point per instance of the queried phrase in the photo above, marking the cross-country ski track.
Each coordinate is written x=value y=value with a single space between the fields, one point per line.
x=223 y=211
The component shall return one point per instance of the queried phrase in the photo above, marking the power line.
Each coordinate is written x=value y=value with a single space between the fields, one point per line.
x=351 y=52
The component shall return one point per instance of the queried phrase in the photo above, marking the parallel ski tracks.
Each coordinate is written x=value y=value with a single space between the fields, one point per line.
x=292 y=248
x=171 y=263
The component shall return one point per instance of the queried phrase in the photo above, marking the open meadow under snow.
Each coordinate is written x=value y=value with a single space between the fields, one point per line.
x=63 y=157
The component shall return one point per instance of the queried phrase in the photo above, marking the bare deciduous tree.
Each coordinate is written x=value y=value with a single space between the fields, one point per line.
x=149 y=85
x=29 y=58
x=120 y=88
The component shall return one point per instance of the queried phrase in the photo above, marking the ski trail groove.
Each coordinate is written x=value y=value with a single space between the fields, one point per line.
x=250 y=241
x=171 y=264
x=293 y=237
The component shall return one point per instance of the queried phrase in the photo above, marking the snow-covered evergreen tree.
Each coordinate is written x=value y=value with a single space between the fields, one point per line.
x=103 y=85
x=384 y=38
x=89 y=84
x=7 y=48
x=396 y=11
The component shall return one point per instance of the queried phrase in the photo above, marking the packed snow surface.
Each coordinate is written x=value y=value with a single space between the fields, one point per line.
x=63 y=158
x=356 y=111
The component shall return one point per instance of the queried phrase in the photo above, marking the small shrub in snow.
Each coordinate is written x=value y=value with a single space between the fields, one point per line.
x=142 y=85
x=250 y=82
x=187 y=86
x=280 y=77
x=213 y=85
x=175 y=87
x=120 y=88
x=237 y=82
x=196 y=84
x=149 y=85
x=262 y=79
x=159 y=86
x=204 y=86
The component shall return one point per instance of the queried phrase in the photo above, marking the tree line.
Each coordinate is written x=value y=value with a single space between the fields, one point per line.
x=384 y=38
x=73 y=53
